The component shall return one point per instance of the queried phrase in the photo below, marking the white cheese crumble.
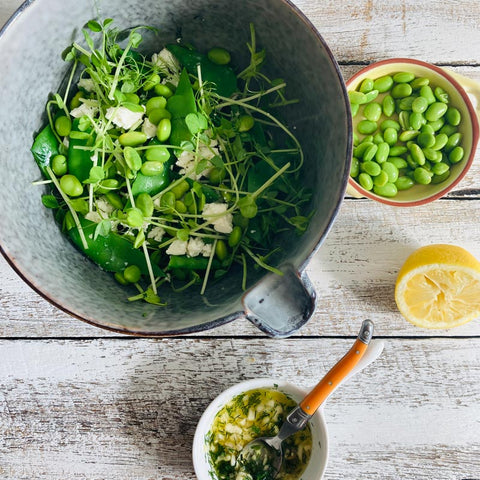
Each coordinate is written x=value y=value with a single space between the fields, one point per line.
x=149 y=128
x=156 y=233
x=123 y=117
x=104 y=208
x=169 y=66
x=215 y=214
x=83 y=110
x=93 y=217
x=177 y=247
x=186 y=161
x=87 y=84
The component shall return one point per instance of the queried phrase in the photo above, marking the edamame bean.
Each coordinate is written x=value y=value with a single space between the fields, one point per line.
x=357 y=97
x=71 y=185
x=390 y=124
x=417 y=154
x=437 y=124
x=366 y=85
x=416 y=120
x=75 y=101
x=390 y=136
x=382 y=153
x=365 y=180
x=152 y=80
x=401 y=90
x=381 y=179
x=107 y=185
x=218 y=55
x=157 y=153
x=453 y=141
x=427 y=129
x=383 y=84
x=378 y=138
x=387 y=190
x=355 y=167
x=354 y=107
x=403 y=118
x=404 y=183
x=217 y=175
x=419 y=82
x=59 y=165
x=360 y=150
x=245 y=123
x=115 y=200
x=419 y=105
x=370 y=152
x=180 y=189
x=167 y=200
x=366 y=127
x=132 y=139
x=163 y=90
x=132 y=98
x=440 y=178
x=441 y=94
x=372 y=95
x=132 y=274
x=453 y=116
x=426 y=140
x=164 y=129
x=427 y=93
x=440 y=141
x=406 y=103
x=180 y=207
x=372 y=168
x=372 y=111
x=152 y=168
x=435 y=111
x=398 y=150
x=440 y=168
x=408 y=135
x=221 y=250
x=158 y=114
x=63 y=125
x=455 y=156
x=388 y=105
x=120 y=278
x=422 y=176
x=145 y=203
x=391 y=170
x=403 y=77
x=448 y=129
x=399 y=162
x=432 y=155
x=235 y=236
x=154 y=103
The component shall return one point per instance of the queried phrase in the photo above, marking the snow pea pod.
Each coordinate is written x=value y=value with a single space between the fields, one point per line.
x=222 y=76
x=111 y=252
x=79 y=161
x=45 y=146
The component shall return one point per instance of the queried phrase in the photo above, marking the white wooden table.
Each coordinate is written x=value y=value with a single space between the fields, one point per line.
x=77 y=402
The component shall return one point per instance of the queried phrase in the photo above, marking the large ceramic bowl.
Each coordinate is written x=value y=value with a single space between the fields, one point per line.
x=30 y=48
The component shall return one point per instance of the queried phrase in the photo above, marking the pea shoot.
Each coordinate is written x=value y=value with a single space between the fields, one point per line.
x=167 y=170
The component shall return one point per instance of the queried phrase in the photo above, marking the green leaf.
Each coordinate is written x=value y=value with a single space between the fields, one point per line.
x=201 y=166
x=193 y=123
x=88 y=39
x=103 y=228
x=135 y=39
x=128 y=87
x=187 y=146
x=50 y=201
x=217 y=161
x=248 y=207
x=75 y=135
x=84 y=123
x=59 y=101
x=79 y=205
x=96 y=175
x=139 y=239
x=133 y=159
x=107 y=22
x=94 y=26
x=153 y=298
x=183 y=234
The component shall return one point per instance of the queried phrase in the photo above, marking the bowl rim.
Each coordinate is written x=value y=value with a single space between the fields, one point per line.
x=473 y=120
x=198 y=453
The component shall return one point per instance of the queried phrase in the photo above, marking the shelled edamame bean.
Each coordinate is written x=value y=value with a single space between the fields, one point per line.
x=407 y=133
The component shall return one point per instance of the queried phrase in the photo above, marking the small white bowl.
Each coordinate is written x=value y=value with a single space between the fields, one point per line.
x=318 y=460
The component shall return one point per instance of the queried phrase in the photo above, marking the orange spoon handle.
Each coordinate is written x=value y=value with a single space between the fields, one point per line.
x=333 y=378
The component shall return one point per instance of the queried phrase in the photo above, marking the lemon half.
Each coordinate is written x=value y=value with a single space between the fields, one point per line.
x=438 y=286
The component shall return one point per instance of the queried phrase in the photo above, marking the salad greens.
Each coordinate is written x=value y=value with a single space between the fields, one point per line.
x=169 y=169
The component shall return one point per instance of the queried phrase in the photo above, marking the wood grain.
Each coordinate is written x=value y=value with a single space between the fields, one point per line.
x=353 y=272
x=109 y=409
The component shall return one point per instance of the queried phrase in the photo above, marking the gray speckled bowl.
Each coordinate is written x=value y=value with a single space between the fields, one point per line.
x=30 y=47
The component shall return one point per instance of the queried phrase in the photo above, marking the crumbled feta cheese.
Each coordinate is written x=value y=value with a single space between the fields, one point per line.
x=104 y=208
x=82 y=110
x=156 y=233
x=195 y=247
x=93 y=217
x=164 y=58
x=149 y=128
x=177 y=247
x=123 y=117
x=186 y=160
x=215 y=213
x=66 y=141
x=87 y=84
x=207 y=250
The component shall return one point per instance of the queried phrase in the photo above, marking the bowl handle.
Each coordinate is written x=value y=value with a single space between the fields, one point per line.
x=471 y=86
x=280 y=304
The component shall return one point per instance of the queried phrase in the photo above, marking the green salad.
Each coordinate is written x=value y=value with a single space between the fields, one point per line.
x=168 y=169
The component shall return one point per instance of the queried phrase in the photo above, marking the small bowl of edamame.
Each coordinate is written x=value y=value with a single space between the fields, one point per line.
x=415 y=131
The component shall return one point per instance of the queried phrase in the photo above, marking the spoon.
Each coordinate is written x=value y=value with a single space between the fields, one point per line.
x=265 y=453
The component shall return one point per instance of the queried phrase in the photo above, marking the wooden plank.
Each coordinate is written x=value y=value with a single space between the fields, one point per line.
x=353 y=273
x=128 y=408
x=369 y=30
